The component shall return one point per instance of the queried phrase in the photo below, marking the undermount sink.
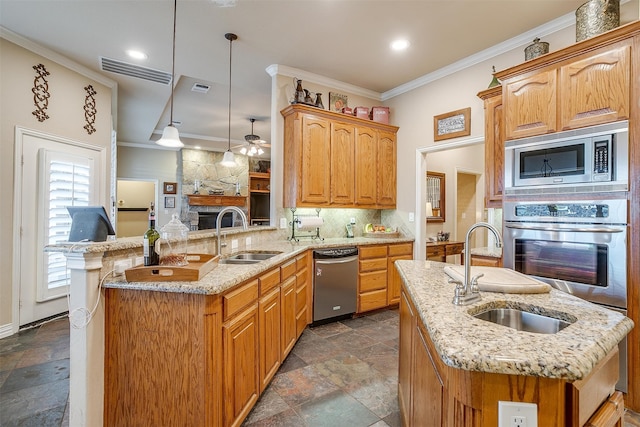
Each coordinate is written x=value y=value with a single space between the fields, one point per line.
x=523 y=320
x=248 y=257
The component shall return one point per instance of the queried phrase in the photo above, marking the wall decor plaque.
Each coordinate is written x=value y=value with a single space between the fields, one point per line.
x=452 y=125
x=41 y=93
x=337 y=101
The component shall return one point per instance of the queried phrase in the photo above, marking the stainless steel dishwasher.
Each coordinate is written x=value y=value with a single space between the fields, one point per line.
x=335 y=283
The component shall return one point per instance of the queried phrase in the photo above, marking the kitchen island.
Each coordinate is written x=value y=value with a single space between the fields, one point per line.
x=455 y=368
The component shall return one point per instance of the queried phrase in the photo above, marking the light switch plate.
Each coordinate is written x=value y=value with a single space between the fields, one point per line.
x=412 y=216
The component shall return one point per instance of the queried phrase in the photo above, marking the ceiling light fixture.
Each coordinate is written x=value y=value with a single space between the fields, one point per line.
x=136 y=54
x=400 y=44
x=229 y=160
x=252 y=139
x=170 y=136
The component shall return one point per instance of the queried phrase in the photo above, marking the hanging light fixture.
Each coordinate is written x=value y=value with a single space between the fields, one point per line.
x=252 y=139
x=229 y=160
x=170 y=136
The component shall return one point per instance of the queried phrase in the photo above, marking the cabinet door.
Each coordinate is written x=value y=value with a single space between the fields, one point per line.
x=241 y=380
x=428 y=387
x=301 y=301
x=405 y=358
x=595 y=90
x=366 y=167
x=387 y=154
x=394 y=282
x=494 y=152
x=531 y=105
x=269 y=327
x=288 y=320
x=315 y=161
x=342 y=164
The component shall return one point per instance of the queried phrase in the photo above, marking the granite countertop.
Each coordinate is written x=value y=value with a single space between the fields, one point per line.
x=487 y=251
x=225 y=276
x=468 y=343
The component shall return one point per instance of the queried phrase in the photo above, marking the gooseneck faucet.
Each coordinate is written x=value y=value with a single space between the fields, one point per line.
x=219 y=222
x=468 y=292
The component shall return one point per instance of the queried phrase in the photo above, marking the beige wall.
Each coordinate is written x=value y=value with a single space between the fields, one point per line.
x=66 y=119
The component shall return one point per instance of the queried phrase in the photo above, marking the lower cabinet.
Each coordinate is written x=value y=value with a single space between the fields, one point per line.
x=372 y=278
x=394 y=282
x=303 y=292
x=288 y=331
x=269 y=309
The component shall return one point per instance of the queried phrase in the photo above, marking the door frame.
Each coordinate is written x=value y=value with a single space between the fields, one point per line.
x=16 y=274
x=420 y=250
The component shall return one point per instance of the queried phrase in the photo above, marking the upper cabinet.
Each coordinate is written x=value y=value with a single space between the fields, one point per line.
x=335 y=160
x=583 y=85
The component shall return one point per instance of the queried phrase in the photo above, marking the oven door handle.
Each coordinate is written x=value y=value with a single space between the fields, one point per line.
x=569 y=229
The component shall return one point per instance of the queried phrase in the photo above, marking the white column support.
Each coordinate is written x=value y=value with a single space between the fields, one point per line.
x=86 y=359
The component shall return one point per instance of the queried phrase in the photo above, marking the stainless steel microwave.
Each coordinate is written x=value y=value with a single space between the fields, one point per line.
x=584 y=160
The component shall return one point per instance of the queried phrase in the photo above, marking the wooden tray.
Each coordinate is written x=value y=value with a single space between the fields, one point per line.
x=198 y=267
x=382 y=235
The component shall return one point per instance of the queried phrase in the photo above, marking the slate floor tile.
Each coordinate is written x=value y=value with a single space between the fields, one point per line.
x=336 y=409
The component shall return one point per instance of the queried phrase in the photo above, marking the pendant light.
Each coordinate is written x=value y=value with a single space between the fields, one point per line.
x=229 y=160
x=170 y=136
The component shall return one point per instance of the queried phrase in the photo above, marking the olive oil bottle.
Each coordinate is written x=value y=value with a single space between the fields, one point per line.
x=151 y=257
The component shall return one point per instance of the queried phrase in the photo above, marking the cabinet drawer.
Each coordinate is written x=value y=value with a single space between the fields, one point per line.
x=373 y=280
x=287 y=270
x=366 y=252
x=609 y=414
x=238 y=298
x=301 y=261
x=372 y=300
x=401 y=249
x=454 y=249
x=373 y=264
x=434 y=251
x=269 y=281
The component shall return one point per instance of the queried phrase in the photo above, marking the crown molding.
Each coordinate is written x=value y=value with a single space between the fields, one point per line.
x=283 y=70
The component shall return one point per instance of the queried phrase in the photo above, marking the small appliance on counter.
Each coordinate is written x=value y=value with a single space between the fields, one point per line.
x=349 y=231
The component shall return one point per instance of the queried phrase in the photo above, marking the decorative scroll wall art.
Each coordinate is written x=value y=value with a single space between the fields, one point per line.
x=40 y=93
x=90 y=110
x=452 y=125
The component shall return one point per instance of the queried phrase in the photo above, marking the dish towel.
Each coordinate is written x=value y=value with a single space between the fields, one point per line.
x=498 y=279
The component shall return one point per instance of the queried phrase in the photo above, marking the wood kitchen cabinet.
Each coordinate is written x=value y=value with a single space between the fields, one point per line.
x=335 y=160
x=493 y=147
x=372 y=278
x=396 y=252
x=240 y=341
x=303 y=292
x=269 y=312
x=570 y=91
x=288 y=293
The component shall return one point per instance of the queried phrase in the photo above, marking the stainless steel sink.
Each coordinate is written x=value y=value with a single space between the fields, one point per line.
x=523 y=320
x=248 y=257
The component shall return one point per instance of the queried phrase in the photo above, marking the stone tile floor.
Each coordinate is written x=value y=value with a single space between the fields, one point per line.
x=340 y=374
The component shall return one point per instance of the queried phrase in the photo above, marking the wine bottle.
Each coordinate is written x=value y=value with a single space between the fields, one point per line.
x=151 y=257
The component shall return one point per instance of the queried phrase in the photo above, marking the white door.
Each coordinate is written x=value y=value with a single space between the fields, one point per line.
x=56 y=173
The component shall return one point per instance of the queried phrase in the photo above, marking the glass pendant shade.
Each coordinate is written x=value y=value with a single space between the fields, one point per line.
x=228 y=160
x=170 y=138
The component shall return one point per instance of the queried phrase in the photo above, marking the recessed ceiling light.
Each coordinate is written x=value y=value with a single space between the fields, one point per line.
x=136 y=54
x=400 y=44
x=197 y=147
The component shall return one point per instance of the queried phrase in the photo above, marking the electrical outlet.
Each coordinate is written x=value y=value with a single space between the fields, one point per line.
x=517 y=414
x=234 y=244
x=139 y=260
x=283 y=222
x=247 y=241
x=120 y=266
x=353 y=220
x=518 y=421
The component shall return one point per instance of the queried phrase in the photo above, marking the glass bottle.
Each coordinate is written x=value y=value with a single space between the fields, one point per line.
x=151 y=257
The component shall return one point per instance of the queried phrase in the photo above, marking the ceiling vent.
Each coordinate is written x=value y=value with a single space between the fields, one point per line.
x=132 y=70
x=200 y=88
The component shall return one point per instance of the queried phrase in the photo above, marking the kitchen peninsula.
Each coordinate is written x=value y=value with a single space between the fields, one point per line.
x=454 y=368
x=194 y=353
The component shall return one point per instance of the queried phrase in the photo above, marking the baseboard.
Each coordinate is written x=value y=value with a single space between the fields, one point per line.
x=6 y=330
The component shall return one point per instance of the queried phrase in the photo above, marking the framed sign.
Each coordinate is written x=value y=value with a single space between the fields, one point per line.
x=452 y=125
x=170 y=202
x=170 y=188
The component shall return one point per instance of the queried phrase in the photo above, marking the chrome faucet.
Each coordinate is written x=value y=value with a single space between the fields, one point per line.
x=468 y=292
x=219 y=221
